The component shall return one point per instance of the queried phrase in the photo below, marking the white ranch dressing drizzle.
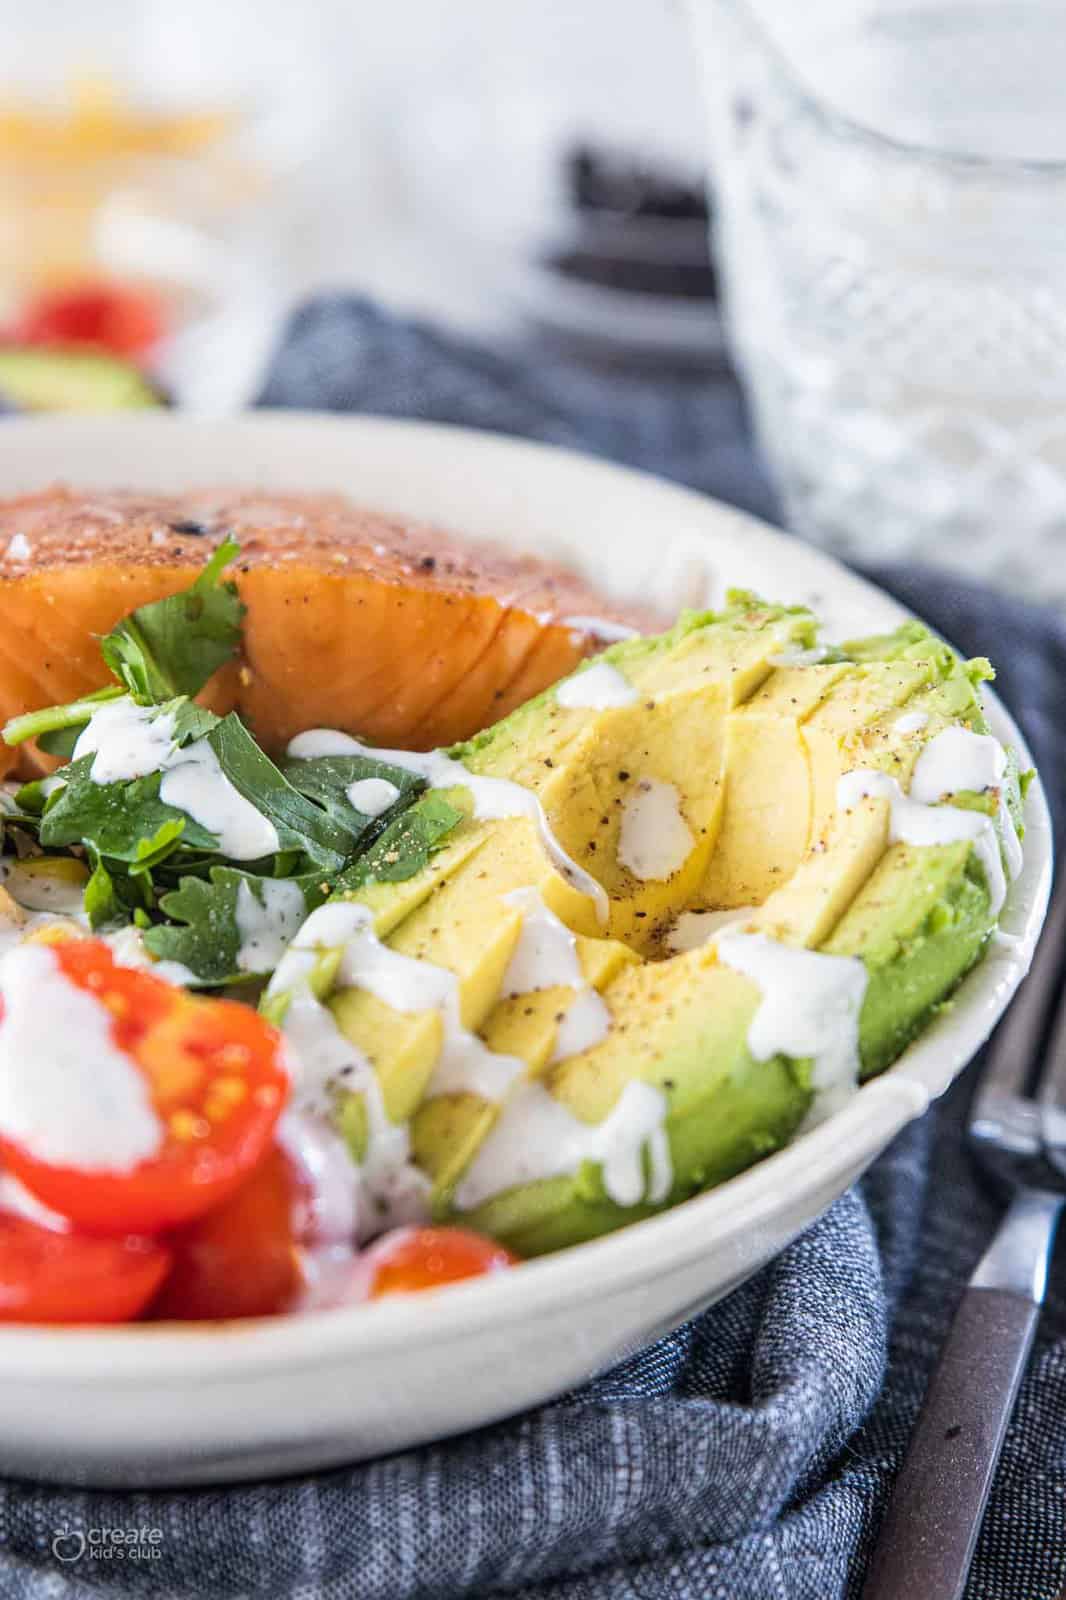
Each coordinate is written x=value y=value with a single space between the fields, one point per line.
x=68 y=1094
x=796 y=656
x=654 y=840
x=810 y=1006
x=494 y=798
x=963 y=761
x=372 y=796
x=332 y=1179
x=465 y=1063
x=391 y=1188
x=912 y=822
x=596 y=689
x=959 y=759
x=911 y=722
x=131 y=741
x=956 y=760
x=694 y=929
x=535 y=1137
x=17 y=1201
x=612 y=632
x=267 y=922
x=546 y=957
x=194 y=782
x=586 y=1023
x=128 y=741
x=127 y=947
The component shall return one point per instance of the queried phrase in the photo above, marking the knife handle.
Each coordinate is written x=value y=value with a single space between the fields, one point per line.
x=927 y=1540
x=928 y=1536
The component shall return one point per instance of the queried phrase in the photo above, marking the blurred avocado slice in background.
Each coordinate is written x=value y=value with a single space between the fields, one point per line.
x=44 y=379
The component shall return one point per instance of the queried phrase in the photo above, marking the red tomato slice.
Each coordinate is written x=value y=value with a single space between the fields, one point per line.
x=241 y=1259
x=216 y=1080
x=66 y=1277
x=126 y=322
x=412 y=1259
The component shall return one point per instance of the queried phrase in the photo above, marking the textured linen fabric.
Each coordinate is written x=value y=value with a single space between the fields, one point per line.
x=747 y=1456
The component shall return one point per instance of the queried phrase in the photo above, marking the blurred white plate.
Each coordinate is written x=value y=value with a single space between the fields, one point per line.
x=171 y=1404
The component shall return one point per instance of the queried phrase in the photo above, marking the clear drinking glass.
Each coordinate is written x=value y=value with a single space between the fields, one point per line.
x=891 y=188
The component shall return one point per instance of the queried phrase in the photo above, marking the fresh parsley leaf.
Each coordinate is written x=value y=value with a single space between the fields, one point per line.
x=115 y=819
x=102 y=904
x=190 y=720
x=66 y=720
x=154 y=851
x=203 y=932
x=405 y=846
x=327 y=779
x=300 y=824
x=173 y=646
x=114 y=897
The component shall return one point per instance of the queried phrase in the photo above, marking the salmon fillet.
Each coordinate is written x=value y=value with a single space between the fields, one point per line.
x=392 y=630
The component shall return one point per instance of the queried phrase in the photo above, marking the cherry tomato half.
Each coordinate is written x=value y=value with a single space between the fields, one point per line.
x=125 y=322
x=241 y=1259
x=214 y=1073
x=47 y=1276
x=411 y=1259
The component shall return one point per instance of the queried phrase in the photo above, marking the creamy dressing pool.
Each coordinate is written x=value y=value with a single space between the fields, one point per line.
x=911 y=722
x=194 y=782
x=267 y=921
x=796 y=656
x=696 y=928
x=809 y=1006
x=596 y=689
x=16 y=1200
x=546 y=957
x=494 y=798
x=128 y=948
x=535 y=1137
x=68 y=1094
x=654 y=840
x=372 y=796
x=127 y=741
x=325 y=1163
x=390 y=1189
x=131 y=741
x=465 y=1064
x=956 y=761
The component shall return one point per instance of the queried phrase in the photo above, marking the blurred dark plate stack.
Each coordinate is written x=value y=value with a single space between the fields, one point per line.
x=629 y=272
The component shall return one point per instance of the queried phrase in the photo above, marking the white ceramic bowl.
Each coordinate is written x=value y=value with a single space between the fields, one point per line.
x=195 y=1405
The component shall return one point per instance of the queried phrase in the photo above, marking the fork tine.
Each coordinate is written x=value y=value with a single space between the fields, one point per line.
x=1016 y=1043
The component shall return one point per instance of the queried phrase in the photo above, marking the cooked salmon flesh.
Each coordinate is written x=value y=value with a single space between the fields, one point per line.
x=395 y=631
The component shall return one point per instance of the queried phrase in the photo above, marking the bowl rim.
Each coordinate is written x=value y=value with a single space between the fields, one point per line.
x=642 y=1251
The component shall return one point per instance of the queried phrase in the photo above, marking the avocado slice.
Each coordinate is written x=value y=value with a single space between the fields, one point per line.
x=679 y=1089
x=44 y=379
x=916 y=918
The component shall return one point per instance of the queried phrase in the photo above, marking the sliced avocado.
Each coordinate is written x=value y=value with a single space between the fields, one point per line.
x=583 y=763
x=41 y=379
x=753 y=748
x=917 y=919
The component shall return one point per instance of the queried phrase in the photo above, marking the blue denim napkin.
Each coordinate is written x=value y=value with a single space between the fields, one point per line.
x=748 y=1455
